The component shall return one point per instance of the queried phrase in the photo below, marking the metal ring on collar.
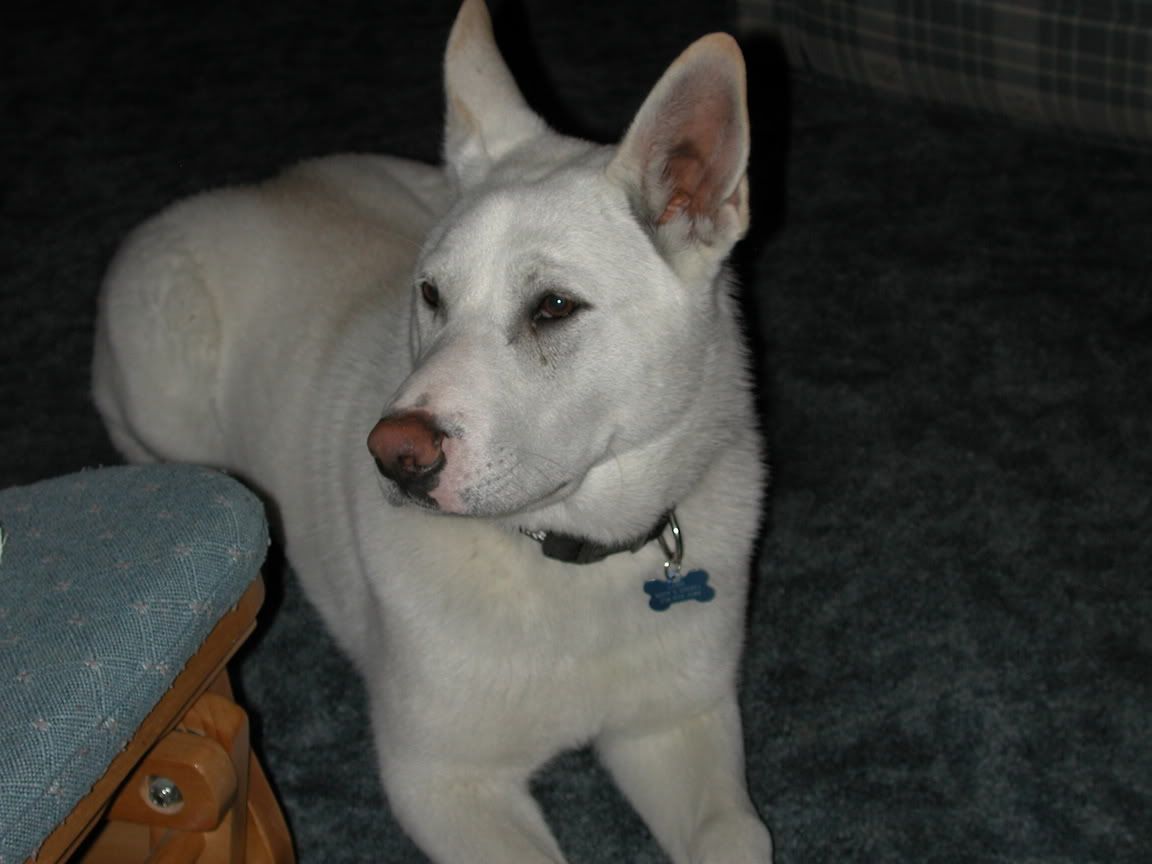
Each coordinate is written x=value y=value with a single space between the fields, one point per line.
x=674 y=556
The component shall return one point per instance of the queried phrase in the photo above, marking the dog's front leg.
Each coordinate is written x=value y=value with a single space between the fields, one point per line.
x=469 y=815
x=687 y=782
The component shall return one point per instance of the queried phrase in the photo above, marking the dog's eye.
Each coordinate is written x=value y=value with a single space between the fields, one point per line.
x=553 y=306
x=430 y=293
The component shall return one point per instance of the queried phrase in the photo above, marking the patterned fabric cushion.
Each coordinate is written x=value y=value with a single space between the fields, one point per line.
x=1084 y=65
x=109 y=581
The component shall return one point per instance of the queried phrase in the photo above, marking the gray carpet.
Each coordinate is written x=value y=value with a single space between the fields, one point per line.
x=949 y=657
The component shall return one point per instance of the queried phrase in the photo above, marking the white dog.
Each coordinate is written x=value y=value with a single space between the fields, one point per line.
x=568 y=437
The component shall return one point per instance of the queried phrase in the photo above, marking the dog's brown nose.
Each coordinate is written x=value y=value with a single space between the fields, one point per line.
x=408 y=449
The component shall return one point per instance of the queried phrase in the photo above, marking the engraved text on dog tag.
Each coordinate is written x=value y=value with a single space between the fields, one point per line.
x=663 y=593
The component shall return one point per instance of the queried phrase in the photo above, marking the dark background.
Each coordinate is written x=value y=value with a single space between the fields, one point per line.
x=949 y=654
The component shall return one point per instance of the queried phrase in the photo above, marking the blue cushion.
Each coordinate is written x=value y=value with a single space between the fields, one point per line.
x=110 y=580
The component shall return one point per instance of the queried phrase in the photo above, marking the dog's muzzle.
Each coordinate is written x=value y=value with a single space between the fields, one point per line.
x=408 y=448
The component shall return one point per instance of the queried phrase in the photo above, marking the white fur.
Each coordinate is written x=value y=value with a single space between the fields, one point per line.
x=264 y=329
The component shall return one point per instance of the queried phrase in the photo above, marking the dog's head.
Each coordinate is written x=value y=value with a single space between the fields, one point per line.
x=575 y=351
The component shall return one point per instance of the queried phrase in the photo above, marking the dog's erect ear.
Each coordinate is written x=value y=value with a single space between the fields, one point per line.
x=685 y=157
x=486 y=114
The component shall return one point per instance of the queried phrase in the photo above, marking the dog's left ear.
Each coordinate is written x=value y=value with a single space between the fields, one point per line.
x=486 y=115
x=685 y=157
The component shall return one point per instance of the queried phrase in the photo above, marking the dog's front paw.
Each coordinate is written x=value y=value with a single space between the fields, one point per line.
x=736 y=838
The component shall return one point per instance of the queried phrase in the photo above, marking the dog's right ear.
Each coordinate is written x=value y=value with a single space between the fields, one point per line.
x=486 y=116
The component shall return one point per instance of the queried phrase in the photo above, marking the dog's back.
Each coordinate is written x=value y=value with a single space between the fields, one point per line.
x=214 y=309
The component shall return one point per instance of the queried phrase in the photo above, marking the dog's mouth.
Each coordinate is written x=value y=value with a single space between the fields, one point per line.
x=469 y=502
x=399 y=497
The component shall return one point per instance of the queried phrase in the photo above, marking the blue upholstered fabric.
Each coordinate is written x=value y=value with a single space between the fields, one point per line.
x=110 y=580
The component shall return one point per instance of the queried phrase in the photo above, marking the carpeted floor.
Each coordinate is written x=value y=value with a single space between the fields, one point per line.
x=950 y=651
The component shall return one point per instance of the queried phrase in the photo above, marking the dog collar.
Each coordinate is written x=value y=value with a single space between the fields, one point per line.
x=581 y=550
x=676 y=586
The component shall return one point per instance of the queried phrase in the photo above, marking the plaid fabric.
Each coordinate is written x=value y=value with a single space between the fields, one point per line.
x=1085 y=66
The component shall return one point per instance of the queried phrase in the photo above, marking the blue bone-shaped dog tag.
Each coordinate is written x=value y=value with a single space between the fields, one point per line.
x=692 y=586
